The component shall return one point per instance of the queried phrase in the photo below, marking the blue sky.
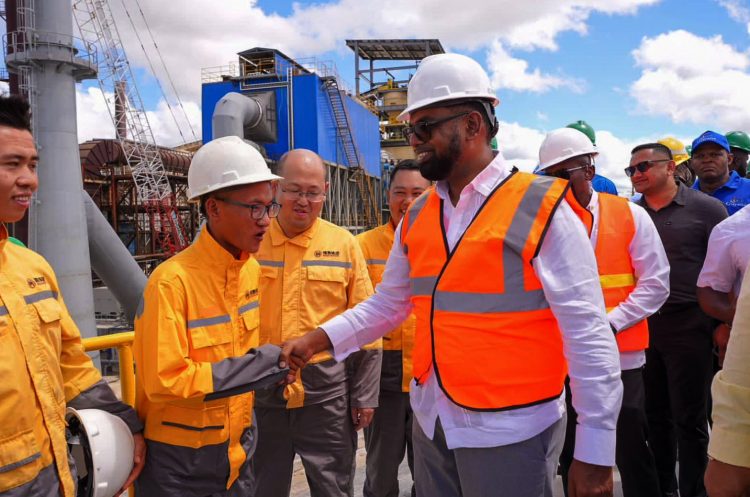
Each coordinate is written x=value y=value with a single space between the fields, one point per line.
x=634 y=69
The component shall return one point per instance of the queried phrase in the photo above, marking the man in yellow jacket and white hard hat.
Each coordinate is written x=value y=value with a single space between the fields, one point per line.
x=42 y=362
x=197 y=331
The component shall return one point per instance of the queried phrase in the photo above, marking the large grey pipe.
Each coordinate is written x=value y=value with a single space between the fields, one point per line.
x=233 y=113
x=58 y=231
x=112 y=261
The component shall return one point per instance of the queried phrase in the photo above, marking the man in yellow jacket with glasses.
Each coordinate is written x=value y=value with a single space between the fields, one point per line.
x=312 y=270
x=42 y=362
x=197 y=331
x=389 y=435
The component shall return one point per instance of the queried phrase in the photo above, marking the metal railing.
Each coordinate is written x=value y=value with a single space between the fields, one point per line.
x=123 y=342
x=218 y=73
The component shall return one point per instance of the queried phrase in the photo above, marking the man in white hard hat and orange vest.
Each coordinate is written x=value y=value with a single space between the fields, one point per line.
x=634 y=275
x=196 y=335
x=42 y=362
x=389 y=436
x=501 y=276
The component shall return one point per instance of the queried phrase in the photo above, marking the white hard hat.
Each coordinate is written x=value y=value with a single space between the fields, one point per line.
x=445 y=77
x=103 y=448
x=224 y=162
x=563 y=144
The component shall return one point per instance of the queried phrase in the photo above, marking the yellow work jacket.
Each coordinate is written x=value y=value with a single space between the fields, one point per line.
x=42 y=366
x=396 y=371
x=199 y=312
x=305 y=281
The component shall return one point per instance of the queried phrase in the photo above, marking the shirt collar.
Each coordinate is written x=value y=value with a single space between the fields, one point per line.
x=278 y=237
x=484 y=182
x=216 y=253
x=734 y=182
x=594 y=202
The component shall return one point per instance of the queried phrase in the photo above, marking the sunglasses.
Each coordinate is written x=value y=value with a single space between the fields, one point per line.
x=565 y=173
x=423 y=129
x=642 y=167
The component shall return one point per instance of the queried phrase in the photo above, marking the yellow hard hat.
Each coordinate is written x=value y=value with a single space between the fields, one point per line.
x=679 y=154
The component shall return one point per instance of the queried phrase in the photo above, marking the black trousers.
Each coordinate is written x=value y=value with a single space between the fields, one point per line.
x=633 y=456
x=678 y=374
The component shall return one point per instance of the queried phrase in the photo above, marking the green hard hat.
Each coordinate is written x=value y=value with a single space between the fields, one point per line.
x=689 y=150
x=738 y=139
x=584 y=128
x=16 y=241
x=493 y=143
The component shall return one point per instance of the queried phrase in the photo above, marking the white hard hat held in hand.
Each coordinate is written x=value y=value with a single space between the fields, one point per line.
x=102 y=446
x=224 y=162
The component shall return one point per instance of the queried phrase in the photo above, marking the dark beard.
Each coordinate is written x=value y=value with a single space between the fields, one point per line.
x=438 y=167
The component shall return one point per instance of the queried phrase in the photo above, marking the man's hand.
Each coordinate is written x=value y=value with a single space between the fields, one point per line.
x=296 y=353
x=139 y=460
x=362 y=417
x=721 y=340
x=590 y=480
x=726 y=480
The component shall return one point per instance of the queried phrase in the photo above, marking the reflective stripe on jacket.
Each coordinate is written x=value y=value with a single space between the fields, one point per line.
x=616 y=273
x=42 y=366
x=483 y=323
x=396 y=372
x=195 y=339
x=305 y=281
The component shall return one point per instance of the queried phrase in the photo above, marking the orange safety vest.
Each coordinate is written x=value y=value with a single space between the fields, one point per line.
x=483 y=323
x=616 y=273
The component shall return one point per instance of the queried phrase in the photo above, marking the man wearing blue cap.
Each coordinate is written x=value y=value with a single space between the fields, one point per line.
x=710 y=160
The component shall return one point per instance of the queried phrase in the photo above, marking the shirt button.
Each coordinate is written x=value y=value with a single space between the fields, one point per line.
x=668 y=223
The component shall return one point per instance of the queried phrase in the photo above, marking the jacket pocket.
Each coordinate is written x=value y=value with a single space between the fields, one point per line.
x=18 y=450
x=195 y=426
x=211 y=343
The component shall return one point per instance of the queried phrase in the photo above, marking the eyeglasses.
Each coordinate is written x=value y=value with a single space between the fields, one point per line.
x=565 y=173
x=643 y=166
x=311 y=197
x=257 y=211
x=423 y=129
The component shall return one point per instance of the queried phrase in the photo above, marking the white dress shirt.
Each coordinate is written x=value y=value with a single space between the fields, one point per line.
x=567 y=270
x=651 y=268
x=728 y=253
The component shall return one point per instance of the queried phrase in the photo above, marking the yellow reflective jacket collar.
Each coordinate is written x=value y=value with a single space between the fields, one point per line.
x=215 y=253
x=278 y=237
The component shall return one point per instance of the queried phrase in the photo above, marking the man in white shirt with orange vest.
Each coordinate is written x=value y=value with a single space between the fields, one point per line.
x=492 y=260
x=634 y=275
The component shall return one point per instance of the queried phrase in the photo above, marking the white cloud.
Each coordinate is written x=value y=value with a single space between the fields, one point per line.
x=192 y=35
x=520 y=145
x=737 y=11
x=94 y=120
x=693 y=79
x=509 y=73
x=4 y=88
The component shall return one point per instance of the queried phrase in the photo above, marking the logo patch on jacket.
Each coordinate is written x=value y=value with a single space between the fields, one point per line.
x=327 y=253
x=251 y=293
x=37 y=280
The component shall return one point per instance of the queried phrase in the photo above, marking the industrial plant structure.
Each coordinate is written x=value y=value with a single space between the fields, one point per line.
x=305 y=106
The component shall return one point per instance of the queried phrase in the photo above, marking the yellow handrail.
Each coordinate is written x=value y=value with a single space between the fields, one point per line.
x=123 y=342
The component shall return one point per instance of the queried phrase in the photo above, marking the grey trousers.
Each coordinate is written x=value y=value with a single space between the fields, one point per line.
x=321 y=434
x=386 y=439
x=523 y=469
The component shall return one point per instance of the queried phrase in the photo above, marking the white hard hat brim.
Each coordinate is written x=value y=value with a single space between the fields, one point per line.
x=245 y=180
x=428 y=102
x=557 y=160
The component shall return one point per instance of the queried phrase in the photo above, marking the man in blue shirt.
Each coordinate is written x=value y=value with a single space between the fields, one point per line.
x=710 y=160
